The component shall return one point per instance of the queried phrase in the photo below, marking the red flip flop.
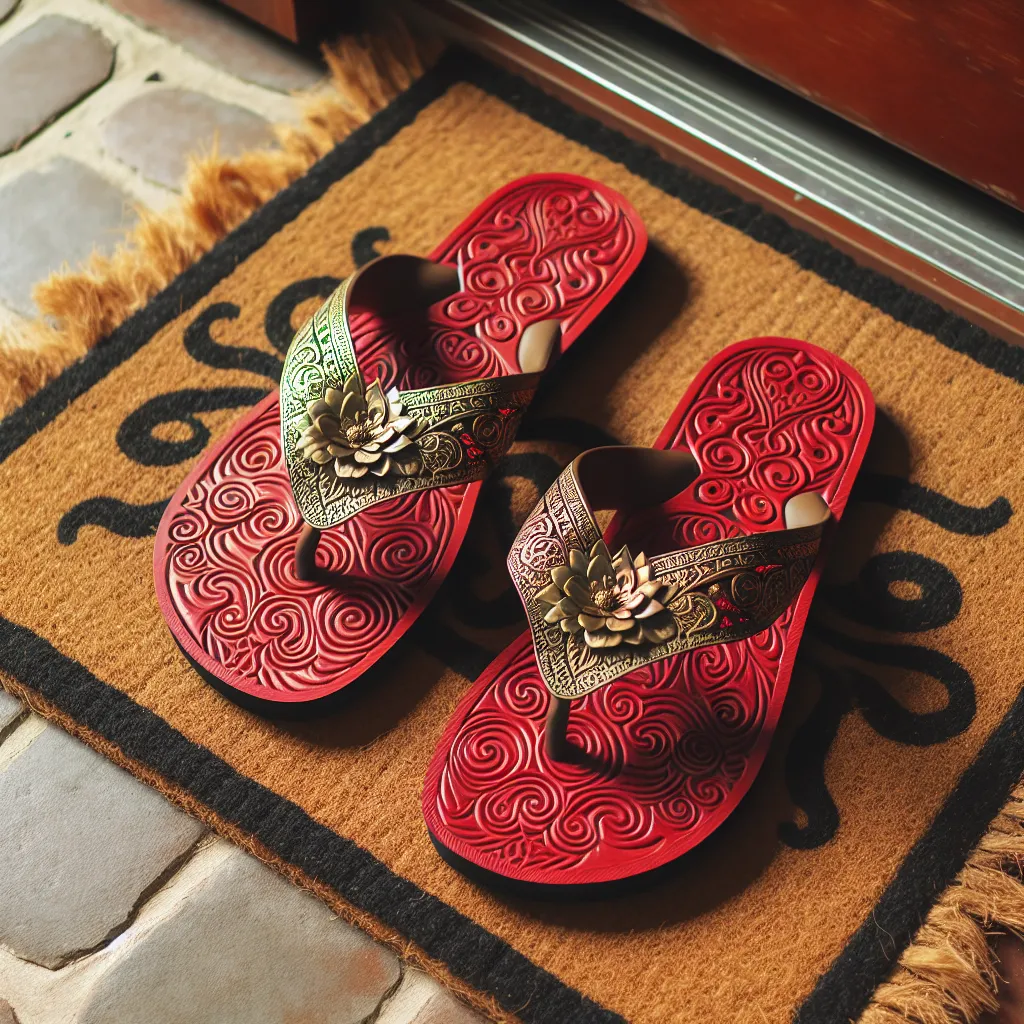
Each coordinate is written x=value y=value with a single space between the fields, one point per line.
x=396 y=398
x=628 y=722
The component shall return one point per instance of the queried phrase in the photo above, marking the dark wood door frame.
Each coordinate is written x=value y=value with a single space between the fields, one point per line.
x=675 y=144
x=939 y=78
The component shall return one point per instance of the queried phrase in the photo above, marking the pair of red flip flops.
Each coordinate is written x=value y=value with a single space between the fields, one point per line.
x=631 y=718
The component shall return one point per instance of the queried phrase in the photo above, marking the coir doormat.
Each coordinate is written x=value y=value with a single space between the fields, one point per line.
x=833 y=891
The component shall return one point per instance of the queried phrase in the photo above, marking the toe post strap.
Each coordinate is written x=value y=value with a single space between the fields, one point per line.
x=595 y=616
x=349 y=445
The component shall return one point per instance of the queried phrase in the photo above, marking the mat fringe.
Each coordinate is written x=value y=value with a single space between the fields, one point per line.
x=78 y=309
x=948 y=975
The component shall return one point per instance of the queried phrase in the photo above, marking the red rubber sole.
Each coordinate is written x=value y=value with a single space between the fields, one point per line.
x=553 y=245
x=668 y=752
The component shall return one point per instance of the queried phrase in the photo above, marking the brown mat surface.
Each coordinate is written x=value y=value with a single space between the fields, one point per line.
x=801 y=904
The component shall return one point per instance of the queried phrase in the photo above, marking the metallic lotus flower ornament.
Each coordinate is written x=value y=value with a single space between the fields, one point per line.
x=361 y=432
x=611 y=601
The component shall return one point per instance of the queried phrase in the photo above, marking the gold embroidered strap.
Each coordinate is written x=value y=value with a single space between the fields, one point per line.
x=348 y=445
x=595 y=616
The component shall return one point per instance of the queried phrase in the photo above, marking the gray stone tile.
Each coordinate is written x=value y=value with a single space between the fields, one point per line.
x=247 y=947
x=6 y=6
x=10 y=709
x=44 y=70
x=157 y=131
x=81 y=841
x=422 y=1000
x=7 y=1013
x=226 y=41
x=51 y=216
x=444 y=1008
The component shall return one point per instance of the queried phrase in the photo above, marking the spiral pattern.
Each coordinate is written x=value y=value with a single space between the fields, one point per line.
x=547 y=249
x=669 y=747
x=658 y=747
x=230 y=569
x=771 y=423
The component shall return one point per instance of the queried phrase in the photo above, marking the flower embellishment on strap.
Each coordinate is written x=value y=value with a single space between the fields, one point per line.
x=611 y=601
x=349 y=445
x=361 y=432
x=594 y=617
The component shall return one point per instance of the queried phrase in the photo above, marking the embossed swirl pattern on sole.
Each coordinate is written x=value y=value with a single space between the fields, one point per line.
x=669 y=750
x=553 y=246
x=231 y=567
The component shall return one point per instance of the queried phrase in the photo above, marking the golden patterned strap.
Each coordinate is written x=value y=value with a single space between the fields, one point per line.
x=348 y=445
x=595 y=616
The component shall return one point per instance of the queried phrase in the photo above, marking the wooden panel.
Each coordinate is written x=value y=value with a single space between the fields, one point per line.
x=301 y=21
x=277 y=15
x=941 y=78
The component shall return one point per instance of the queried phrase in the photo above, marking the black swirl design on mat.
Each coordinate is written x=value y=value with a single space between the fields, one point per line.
x=871 y=601
x=364 y=244
x=847 y=689
x=897 y=592
x=200 y=345
x=277 y=322
x=933 y=506
x=135 y=436
x=883 y=712
x=804 y=769
x=120 y=517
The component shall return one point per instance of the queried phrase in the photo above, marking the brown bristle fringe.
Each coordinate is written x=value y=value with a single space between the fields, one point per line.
x=77 y=309
x=948 y=974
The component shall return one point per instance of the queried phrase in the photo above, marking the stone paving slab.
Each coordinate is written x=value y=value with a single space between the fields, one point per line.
x=82 y=841
x=6 y=6
x=10 y=709
x=223 y=39
x=156 y=132
x=45 y=69
x=247 y=947
x=444 y=1008
x=51 y=216
x=422 y=1000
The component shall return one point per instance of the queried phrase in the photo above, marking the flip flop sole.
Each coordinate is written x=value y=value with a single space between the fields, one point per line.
x=544 y=246
x=665 y=754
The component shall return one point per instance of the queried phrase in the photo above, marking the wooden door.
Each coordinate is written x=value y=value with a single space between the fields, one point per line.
x=941 y=78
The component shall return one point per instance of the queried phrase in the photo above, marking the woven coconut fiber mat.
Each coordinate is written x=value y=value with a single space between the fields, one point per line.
x=901 y=738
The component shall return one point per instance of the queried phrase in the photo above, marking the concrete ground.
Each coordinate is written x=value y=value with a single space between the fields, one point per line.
x=115 y=907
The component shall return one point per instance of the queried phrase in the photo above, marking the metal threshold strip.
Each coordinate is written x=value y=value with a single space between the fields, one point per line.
x=894 y=195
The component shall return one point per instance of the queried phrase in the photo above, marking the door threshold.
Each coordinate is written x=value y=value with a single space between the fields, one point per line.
x=887 y=209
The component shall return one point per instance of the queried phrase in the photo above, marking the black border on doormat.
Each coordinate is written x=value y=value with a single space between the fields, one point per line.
x=472 y=953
